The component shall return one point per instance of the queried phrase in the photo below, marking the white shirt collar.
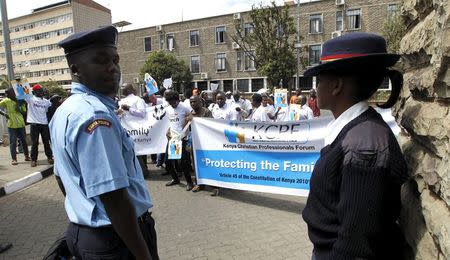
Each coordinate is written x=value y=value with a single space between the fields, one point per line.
x=335 y=126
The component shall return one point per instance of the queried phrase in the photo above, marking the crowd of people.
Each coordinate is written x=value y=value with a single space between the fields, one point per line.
x=354 y=200
x=35 y=110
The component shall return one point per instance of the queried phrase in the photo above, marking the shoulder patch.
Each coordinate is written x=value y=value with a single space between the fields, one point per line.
x=97 y=123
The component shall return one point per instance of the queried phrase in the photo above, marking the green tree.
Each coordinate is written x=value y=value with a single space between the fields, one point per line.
x=271 y=44
x=393 y=31
x=162 y=65
x=54 y=88
x=4 y=82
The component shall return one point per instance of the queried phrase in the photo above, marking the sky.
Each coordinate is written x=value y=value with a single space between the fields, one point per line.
x=145 y=13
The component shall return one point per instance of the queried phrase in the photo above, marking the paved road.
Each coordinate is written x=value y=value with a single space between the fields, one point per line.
x=235 y=225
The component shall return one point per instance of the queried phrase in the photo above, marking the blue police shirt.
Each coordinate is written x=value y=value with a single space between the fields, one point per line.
x=94 y=155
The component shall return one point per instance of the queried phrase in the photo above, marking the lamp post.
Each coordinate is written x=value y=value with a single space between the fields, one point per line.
x=6 y=40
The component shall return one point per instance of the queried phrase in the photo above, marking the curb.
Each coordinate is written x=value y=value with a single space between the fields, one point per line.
x=24 y=182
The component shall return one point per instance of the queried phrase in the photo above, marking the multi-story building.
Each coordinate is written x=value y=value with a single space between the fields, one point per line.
x=34 y=37
x=206 y=44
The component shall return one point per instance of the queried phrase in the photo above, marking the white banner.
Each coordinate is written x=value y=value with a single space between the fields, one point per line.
x=266 y=157
x=149 y=133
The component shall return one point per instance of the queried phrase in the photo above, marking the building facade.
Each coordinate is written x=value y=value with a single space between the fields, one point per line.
x=206 y=44
x=34 y=37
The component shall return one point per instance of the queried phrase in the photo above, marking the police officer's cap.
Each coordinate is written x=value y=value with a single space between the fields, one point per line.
x=104 y=36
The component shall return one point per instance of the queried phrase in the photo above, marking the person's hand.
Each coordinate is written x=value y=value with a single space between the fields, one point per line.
x=189 y=118
x=125 y=107
x=168 y=135
x=278 y=109
x=119 y=111
x=238 y=109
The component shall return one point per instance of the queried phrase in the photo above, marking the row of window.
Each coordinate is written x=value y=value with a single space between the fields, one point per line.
x=353 y=19
x=49 y=21
x=43 y=73
x=40 y=36
x=33 y=50
x=244 y=62
x=37 y=62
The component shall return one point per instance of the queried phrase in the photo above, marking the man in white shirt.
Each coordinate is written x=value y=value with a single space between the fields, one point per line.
x=306 y=112
x=37 y=118
x=221 y=110
x=240 y=108
x=259 y=112
x=178 y=114
x=133 y=106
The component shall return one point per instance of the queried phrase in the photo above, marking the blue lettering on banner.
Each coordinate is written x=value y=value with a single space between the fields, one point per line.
x=285 y=170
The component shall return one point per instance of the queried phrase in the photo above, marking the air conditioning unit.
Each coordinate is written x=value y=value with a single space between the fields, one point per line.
x=136 y=80
x=204 y=75
x=336 y=34
x=340 y=2
x=237 y=16
x=159 y=28
x=235 y=45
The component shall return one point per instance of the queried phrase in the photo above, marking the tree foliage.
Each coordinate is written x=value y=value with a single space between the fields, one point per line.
x=4 y=82
x=393 y=31
x=162 y=65
x=271 y=44
x=54 y=88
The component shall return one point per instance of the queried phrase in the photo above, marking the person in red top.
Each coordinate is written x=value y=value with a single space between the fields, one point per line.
x=312 y=102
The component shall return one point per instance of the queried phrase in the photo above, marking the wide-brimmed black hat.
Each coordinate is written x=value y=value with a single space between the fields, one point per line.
x=353 y=52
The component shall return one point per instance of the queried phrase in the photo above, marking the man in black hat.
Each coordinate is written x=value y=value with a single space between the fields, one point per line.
x=107 y=200
x=354 y=200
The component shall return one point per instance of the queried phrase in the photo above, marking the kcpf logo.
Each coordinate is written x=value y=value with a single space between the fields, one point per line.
x=234 y=134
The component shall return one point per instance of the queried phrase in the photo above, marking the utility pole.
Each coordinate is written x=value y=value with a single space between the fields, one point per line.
x=297 y=46
x=6 y=40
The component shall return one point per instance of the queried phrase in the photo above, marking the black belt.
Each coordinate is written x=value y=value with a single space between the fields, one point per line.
x=141 y=219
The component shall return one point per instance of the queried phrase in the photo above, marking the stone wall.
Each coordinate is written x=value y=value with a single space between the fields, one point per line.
x=423 y=112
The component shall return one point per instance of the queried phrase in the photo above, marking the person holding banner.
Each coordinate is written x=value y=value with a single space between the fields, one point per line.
x=133 y=106
x=178 y=113
x=354 y=200
x=15 y=124
x=106 y=197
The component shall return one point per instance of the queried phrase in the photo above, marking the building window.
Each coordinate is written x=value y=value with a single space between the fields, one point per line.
x=354 y=19
x=162 y=40
x=243 y=85
x=248 y=29
x=147 y=44
x=239 y=59
x=170 y=42
x=280 y=31
x=195 y=64
x=221 y=61
x=314 y=54
x=193 y=38
x=315 y=23
x=249 y=61
x=339 y=21
x=220 y=34
x=392 y=9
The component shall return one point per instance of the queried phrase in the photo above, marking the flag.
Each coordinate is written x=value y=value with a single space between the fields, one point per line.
x=167 y=83
x=151 y=85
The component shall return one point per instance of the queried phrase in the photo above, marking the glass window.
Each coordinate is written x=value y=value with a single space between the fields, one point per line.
x=147 y=44
x=221 y=61
x=195 y=64
x=239 y=59
x=248 y=29
x=170 y=42
x=314 y=54
x=249 y=61
x=315 y=23
x=257 y=84
x=220 y=34
x=162 y=40
x=339 y=21
x=280 y=31
x=193 y=38
x=243 y=85
x=354 y=19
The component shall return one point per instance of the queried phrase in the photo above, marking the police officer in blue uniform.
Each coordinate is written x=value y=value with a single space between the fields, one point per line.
x=106 y=198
